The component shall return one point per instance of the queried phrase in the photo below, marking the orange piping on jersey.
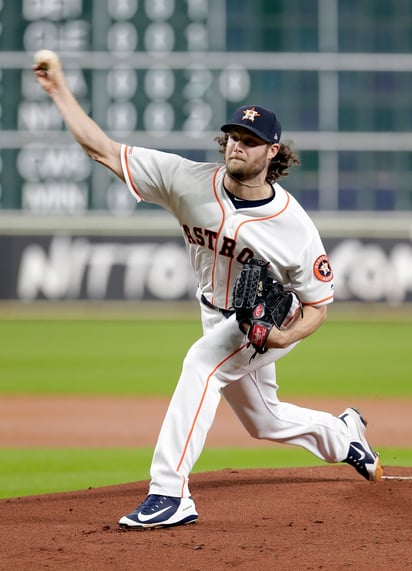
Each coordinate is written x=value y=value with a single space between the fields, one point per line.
x=201 y=403
x=318 y=302
x=235 y=238
x=220 y=228
x=129 y=176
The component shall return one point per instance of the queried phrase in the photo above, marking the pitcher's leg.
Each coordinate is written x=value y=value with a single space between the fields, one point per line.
x=181 y=439
x=254 y=400
x=211 y=362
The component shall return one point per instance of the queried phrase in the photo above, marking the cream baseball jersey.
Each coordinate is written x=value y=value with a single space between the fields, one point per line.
x=221 y=236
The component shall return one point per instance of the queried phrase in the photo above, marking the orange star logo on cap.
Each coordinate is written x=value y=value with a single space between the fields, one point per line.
x=250 y=114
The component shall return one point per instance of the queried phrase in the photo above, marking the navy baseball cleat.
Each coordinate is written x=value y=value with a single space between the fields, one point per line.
x=160 y=511
x=360 y=455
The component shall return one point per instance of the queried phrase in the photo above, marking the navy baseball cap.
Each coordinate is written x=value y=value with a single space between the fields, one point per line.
x=259 y=120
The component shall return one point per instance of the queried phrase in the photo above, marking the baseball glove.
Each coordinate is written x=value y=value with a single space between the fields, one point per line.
x=260 y=303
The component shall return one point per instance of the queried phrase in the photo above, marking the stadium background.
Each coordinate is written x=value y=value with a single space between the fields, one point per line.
x=166 y=73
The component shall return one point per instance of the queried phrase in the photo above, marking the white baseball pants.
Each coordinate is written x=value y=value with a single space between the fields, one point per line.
x=220 y=363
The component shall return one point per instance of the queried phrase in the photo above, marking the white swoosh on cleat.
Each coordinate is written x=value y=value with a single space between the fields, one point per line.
x=144 y=518
x=361 y=452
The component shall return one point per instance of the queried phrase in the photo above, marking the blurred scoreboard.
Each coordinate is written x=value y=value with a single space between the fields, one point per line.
x=138 y=67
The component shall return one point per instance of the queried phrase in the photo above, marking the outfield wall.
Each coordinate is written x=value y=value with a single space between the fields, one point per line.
x=143 y=257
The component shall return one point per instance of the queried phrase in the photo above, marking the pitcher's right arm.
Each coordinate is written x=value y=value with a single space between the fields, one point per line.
x=101 y=148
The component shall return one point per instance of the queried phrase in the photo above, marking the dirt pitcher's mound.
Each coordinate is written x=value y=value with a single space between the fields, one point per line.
x=251 y=520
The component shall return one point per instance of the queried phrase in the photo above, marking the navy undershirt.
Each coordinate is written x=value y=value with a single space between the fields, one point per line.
x=240 y=203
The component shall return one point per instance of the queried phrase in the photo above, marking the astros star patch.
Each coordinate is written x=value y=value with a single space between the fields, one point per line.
x=250 y=114
x=322 y=269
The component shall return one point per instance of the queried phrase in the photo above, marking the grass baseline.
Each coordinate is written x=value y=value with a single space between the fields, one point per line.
x=41 y=471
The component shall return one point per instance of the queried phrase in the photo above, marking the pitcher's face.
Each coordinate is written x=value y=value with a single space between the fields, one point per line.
x=247 y=156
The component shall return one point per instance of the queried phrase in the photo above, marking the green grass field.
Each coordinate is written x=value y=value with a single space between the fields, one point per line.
x=144 y=358
x=347 y=357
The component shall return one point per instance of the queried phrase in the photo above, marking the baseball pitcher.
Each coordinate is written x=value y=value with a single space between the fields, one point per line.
x=264 y=284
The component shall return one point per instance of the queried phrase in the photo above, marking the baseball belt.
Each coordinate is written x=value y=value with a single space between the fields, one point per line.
x=226 y=312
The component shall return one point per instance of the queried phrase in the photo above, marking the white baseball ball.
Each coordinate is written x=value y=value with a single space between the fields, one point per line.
x=46 y=59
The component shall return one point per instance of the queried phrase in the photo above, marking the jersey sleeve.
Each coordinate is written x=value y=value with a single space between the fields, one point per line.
x=149 y=174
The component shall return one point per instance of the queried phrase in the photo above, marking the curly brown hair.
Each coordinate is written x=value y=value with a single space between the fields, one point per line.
x=279 y=165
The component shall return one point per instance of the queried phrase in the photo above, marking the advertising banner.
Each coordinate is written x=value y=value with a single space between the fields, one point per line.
x=83 y=267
